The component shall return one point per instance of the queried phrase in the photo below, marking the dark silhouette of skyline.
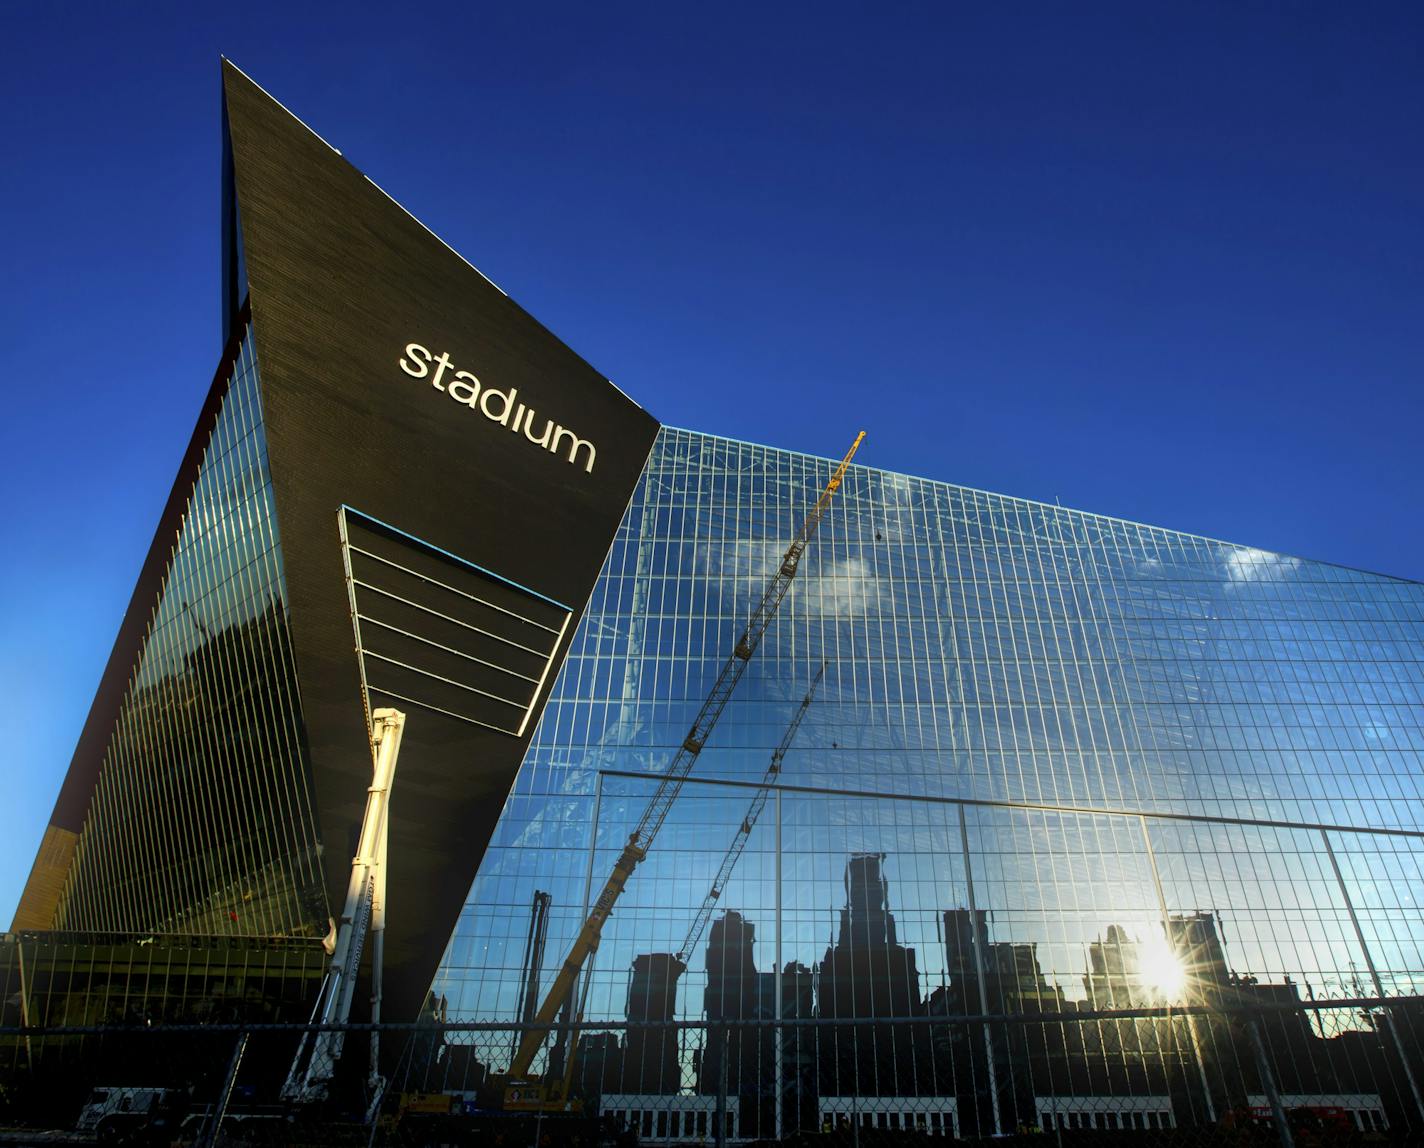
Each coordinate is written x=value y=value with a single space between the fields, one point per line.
x=1203 y=1066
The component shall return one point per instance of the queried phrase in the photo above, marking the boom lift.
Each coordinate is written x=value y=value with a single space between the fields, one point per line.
x=744 y=831
x=363 y=913
x=526 y=1093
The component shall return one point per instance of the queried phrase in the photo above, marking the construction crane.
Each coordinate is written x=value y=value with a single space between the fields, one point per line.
x=363 y=915
x=744 y=831
x=533 y=958
x=522 y=1091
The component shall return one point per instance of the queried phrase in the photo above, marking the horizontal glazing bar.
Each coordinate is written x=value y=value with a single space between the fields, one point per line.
x=1040 y=807
x=447 y=649
x=521 y=706
x=447 y=618
x=439 y=709
x=453 y=589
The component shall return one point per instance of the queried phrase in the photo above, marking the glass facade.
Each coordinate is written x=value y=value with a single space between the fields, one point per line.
x=1059 y=763
x=201 y=821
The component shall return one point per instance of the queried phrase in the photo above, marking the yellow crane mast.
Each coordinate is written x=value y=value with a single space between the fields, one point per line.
x=523 y=1092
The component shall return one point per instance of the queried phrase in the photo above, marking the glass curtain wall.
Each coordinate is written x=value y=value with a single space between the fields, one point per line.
x=1058 y=763
x=201 y=821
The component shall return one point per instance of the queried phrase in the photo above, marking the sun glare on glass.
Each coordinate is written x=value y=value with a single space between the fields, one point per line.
x=1161 y=969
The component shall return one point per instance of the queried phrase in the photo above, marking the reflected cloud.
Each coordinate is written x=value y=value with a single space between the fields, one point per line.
x=843 y=588
x=847 y=588
x=1247 y=564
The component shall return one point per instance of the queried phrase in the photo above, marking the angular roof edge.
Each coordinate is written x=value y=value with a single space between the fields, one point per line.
x=1052 y=506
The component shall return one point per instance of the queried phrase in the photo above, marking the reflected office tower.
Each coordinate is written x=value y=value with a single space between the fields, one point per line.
x=798 y=1047
x=866 y=921
x=964 y=929
x=1304 y=1064
x=1301 y=1061
x=1196 y=942
x=1207 y=980
x=868 y=974
x=650 y=1060
x=964 y=993
x=1119 y=1057
x=733 y=993
x=1013 y=978
x=1114 y=976
x=1013 y=982
x=733 y=986
x=736 y=991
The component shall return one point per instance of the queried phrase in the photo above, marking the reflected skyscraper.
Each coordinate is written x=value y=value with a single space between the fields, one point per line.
x=1114 y=978
x=650 y=1055
x=866 y=974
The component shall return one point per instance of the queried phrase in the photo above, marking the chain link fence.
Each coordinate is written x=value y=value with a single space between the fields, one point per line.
x=1285 y=1072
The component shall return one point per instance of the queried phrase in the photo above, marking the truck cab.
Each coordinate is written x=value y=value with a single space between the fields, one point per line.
x=110 y=1113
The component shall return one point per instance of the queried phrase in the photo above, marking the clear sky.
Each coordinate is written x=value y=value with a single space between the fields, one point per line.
x=1160 y=261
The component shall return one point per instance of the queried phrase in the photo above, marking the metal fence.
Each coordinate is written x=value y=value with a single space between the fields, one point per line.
x=1293 y=1073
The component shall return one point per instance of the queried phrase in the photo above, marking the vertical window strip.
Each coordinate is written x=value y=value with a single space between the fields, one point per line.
x=197 y=815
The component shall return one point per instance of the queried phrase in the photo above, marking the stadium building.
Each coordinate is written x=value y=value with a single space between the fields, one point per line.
x=1054 y=765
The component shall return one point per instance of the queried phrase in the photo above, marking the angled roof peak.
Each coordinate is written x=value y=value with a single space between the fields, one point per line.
x=232 y=74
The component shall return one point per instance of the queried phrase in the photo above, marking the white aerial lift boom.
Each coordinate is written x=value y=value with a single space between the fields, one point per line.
x=363 y=914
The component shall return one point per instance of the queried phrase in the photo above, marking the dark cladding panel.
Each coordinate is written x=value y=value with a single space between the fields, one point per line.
x=401 y=382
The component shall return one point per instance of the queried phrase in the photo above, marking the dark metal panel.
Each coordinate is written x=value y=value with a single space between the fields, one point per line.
x=341 y=281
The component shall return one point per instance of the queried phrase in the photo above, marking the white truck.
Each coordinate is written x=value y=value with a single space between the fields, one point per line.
x=113 y=1112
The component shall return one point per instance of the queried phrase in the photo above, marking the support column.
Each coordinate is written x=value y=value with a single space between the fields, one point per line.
x=779 y=1032
x=1167 y=937
x=979 y=968
x=1374 y=972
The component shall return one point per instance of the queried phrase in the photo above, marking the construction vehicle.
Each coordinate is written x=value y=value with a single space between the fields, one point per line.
x=363 y=916
x=524 y=1092
x=115 y=1113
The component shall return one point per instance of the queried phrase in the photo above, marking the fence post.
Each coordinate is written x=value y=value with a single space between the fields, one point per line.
x=976 y=944
x=726 y=1038
x=1374 y=972
x=1268 y=1082
x=778 y=1055
x=221 y=1102
x=1172 y=948
x=25 y=1004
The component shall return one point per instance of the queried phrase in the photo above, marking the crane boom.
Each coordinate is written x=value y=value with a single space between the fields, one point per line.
x=744 y=831
x=586 y=943
x=363 y=916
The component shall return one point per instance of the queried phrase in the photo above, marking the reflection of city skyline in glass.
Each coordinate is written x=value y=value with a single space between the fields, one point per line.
x=1116 y=765
x=1150 y=1070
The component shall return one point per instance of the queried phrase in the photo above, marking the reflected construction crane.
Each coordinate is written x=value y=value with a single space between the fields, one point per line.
x=533 y=958
x=524 y=1092
x=744 y=831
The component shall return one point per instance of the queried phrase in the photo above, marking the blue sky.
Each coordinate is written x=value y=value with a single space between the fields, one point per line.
x=1164 y=262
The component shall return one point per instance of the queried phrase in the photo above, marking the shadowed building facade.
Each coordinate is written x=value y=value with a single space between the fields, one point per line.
x=383 y=504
